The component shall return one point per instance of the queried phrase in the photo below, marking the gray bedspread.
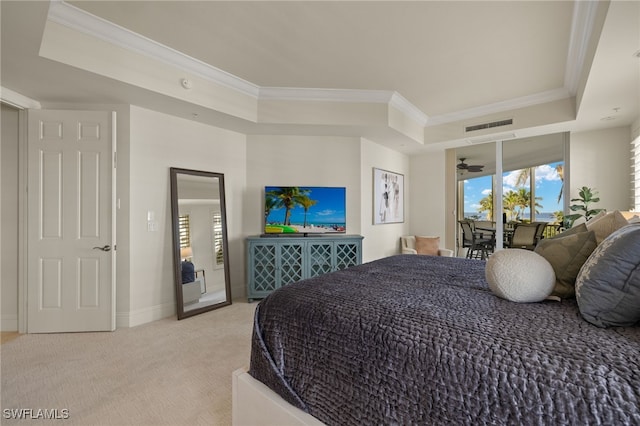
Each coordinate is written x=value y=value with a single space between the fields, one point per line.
x=422 y=340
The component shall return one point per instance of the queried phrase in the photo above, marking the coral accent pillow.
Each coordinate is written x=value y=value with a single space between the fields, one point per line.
x=520 y=275
x=428 y=245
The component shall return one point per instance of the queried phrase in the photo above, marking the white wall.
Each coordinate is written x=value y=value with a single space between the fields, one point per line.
x=381 y=240
x=601 y=160
x=328 y=161
x=158 y=142
x=428 y=206
x=300 y=161
x=9 y=219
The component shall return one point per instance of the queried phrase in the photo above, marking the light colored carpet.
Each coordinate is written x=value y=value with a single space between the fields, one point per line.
x=167 y=372
x=7 y=336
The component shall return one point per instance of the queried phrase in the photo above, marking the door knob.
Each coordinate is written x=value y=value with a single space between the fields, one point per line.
x=105 y=248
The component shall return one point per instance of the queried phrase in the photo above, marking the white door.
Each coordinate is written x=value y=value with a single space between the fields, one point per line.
x=70 y=240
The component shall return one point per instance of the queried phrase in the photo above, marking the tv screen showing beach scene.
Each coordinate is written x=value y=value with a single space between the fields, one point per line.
x=304 y=210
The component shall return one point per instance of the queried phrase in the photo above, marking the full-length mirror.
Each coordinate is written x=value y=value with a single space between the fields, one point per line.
x=199 y=241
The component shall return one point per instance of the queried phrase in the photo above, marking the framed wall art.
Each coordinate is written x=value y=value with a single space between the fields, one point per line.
x=388 y=197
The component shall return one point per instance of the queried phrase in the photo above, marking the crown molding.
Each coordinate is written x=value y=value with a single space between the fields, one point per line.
x=584 y=15
x=345 y=95
x=330 y=95
x=77 y=19
x=72 y=17
x=401 y=103
x=517 y=103
x=16 y=100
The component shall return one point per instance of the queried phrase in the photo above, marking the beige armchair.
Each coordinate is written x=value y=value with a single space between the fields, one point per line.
x=408 y=246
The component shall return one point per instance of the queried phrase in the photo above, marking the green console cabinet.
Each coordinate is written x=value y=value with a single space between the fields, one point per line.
x=273 y=262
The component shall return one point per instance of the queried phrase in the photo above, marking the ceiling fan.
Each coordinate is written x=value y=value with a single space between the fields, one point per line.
x=470 y=168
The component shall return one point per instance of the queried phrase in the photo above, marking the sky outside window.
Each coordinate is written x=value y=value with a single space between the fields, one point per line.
x=547 y=187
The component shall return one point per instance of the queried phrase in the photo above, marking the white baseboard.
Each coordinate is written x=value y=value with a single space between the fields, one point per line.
x=9 y=322
x=143 y=316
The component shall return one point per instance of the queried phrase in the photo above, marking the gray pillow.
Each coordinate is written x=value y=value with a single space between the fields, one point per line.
x=603 y=226
x=608 y=285
x=567 y=254
x=574 y=230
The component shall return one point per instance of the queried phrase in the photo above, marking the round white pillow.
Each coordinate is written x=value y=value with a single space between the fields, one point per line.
x=520 y=275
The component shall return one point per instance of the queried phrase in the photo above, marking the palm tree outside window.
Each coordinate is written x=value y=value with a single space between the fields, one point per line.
x=518 y=197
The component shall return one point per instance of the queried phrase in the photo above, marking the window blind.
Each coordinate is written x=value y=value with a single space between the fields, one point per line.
x=184 y=230
x=217 y=237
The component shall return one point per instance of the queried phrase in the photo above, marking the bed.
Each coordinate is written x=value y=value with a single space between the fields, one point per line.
x=423 y=340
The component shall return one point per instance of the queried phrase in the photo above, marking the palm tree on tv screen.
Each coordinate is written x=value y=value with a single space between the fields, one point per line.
x=287 y=197
x=307 y=203
x=270 y=203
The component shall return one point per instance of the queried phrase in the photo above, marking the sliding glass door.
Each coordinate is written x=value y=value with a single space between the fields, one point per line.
x=532 y=175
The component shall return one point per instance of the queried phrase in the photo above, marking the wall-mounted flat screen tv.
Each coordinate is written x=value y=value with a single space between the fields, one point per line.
x=304 y=210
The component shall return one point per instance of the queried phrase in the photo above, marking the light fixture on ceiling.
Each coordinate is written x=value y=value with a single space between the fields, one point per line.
x=473 y=168
x=186 y=83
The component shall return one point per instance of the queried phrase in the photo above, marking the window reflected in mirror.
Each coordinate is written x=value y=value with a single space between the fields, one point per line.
x=202 y=270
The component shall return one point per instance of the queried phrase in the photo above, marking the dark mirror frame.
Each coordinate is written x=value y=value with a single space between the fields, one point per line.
x=174 y=173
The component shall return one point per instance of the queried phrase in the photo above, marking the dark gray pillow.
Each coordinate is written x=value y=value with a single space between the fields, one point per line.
x=608 y=285
x=567 y=254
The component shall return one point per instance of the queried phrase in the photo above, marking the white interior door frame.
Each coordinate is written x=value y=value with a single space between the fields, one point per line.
x=114 y=210
x=22 y=221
